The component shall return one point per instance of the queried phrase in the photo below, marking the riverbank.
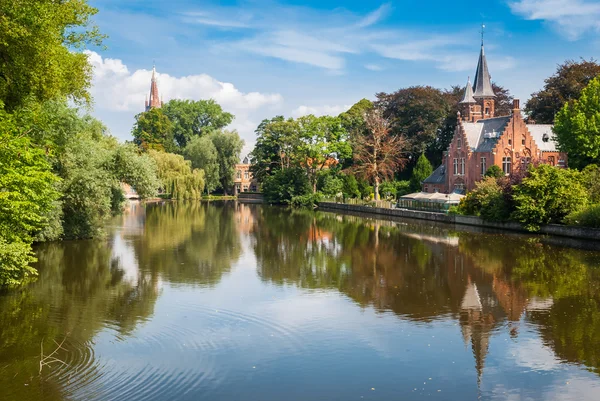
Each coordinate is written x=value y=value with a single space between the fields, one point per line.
x=553 y=229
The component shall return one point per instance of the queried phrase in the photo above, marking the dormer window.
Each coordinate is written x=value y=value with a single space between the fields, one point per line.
x=545 y=137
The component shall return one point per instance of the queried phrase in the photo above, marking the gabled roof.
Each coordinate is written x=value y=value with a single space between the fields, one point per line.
x=483 y=82
x=437 y=177
x=543 y=136
x=483 y=135
x=468 y=95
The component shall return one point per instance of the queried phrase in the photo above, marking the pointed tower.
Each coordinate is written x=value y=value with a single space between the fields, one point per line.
x=154 y=101
x=468 y=105
x=482 y=87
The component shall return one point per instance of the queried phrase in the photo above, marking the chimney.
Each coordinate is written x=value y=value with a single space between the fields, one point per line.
x=516 y=106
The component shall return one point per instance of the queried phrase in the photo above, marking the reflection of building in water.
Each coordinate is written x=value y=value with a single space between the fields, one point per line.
x=134 y=218
x=243 y=180
x=244 y=218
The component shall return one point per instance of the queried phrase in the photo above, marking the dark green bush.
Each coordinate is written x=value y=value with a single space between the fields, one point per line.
x=494 y=172
x=282 y=186
x=487 y=200
x=588 y=217
x=307 y=201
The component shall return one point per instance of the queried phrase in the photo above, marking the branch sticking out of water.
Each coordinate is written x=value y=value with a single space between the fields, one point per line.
x=50 y=359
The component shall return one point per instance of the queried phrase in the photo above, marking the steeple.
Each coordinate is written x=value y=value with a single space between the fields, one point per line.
x=154 y=101
x=483 y=82
x=468 y=95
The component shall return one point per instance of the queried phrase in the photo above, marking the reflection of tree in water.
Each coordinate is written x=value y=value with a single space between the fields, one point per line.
x=188 y=242
x=79 y=290
x=423 y=272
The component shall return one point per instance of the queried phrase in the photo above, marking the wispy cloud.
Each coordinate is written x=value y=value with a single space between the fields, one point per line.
x=206 y=18
x=375 y=16
x=572 y=18
x=325 y=110
x=373 y=67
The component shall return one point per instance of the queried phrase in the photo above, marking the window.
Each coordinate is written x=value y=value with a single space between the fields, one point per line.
x=245 y=188
x=523 y=141
x=510 y=141
x=561 y=162
x=487 y=110
x=237 y=188
x=455 y=166
x=425 y=189
x=459 y=143
x=246 y=174
x=506 y=165
x=483 y=166
x=462 y=166
x=551 y=160
x=545 y=137
x=238 y=175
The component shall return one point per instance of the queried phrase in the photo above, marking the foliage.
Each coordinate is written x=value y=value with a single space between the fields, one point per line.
x=284 y=185
x=350 y=186
x=177 y=177
x=591 y=180
x=366 y=190
x=494 y=172
x=395 y=189
x=192 y=118
x=153 y=130
x=588 y=217
x=306 y=201
x=229 y=146
x=274 y=143
x=422 y=170
x=564 y=86
x=353 y=119
x=577 y=127
x=27 y=196
x=138 y=170
x=203 y=154
x=37 y=43
x=330 y=184
x=486 y=200
x=377 y=154
x=547 y=195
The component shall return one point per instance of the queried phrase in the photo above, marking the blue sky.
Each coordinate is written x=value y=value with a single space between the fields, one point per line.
x=262 y=58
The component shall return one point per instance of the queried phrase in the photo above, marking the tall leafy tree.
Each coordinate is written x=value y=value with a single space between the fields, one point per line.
x=39 y=57
x=153 y=130
x=564 y=85
x=203 y=155
x=378 y=154
x=195 y=118
x=323 y=141
x=577 y=127
x=177 y=177
x=352 y=119
x=229 y=146
x=275 y=143
x=422 y=170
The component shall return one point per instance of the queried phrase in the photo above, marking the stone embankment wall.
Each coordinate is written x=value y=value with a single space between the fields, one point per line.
x=250 y=197
x=553 y=229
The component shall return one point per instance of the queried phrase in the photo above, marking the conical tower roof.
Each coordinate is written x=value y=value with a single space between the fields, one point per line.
x=482 y=87
x=468 y=95
x=154 y=100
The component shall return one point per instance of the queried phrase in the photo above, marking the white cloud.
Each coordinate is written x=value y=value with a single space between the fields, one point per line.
x=120 y=93
x=325 y=110
x=373 y=67
x=375 y=16
x=573 y=18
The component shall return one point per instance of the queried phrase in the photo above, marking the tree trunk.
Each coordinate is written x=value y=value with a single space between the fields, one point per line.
x=376 y=188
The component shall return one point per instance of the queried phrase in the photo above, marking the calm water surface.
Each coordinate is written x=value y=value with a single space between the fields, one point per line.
x=234 y=302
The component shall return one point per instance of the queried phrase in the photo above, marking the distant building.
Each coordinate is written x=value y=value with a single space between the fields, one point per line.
x=243 y=180
x=482 y=139
x=154 y=101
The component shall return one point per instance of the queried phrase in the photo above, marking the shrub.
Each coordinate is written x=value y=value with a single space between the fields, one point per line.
x=350 y=188
x=547 y=195
x=422 y=170
x=307 y=201
x=331 y=185
x=402 y=188
x=486 y=200
x=588 y=217
x=591 y=180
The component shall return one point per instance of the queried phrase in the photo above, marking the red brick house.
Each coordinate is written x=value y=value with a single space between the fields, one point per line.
x=482 y=139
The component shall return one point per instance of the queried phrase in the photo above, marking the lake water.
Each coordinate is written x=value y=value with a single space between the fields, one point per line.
x=223 y=301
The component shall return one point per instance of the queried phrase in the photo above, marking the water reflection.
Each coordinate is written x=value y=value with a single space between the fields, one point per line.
x=229 y=301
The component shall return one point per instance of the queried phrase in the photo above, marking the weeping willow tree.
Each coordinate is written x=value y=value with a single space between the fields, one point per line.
x=178 y=179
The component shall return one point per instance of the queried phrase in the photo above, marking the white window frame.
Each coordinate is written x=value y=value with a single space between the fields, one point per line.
x=455 y=166
x=483 y=166
x=507 y=165
x=462 y=166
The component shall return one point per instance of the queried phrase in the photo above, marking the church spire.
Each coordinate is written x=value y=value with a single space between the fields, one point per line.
x=154 y=101
x=482 y=86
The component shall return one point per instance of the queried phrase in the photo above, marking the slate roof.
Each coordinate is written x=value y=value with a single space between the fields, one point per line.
x=476 y=133
x=483 y=81
x=538 y=131
x=468 y=95
x=437 y=177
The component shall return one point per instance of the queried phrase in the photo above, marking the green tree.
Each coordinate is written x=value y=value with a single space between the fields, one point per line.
x=229 y=146
x=547 y=195
x=422 y=170
x=138 y=170
x=565 y=85
x=192 y=118
x=284 y=185
x=27 y=195
x=591 y=179
x=486 y=200
x=350 y=188
x=577 y=127
x=153 y=130
x=494 y=172
x=38 y=57
x=275 y=144
x=177 y=177
x=203 y=154
x=352 y=119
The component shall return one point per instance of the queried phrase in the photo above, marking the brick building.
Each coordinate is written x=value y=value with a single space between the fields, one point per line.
x=243 y=180
x=482 y=139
